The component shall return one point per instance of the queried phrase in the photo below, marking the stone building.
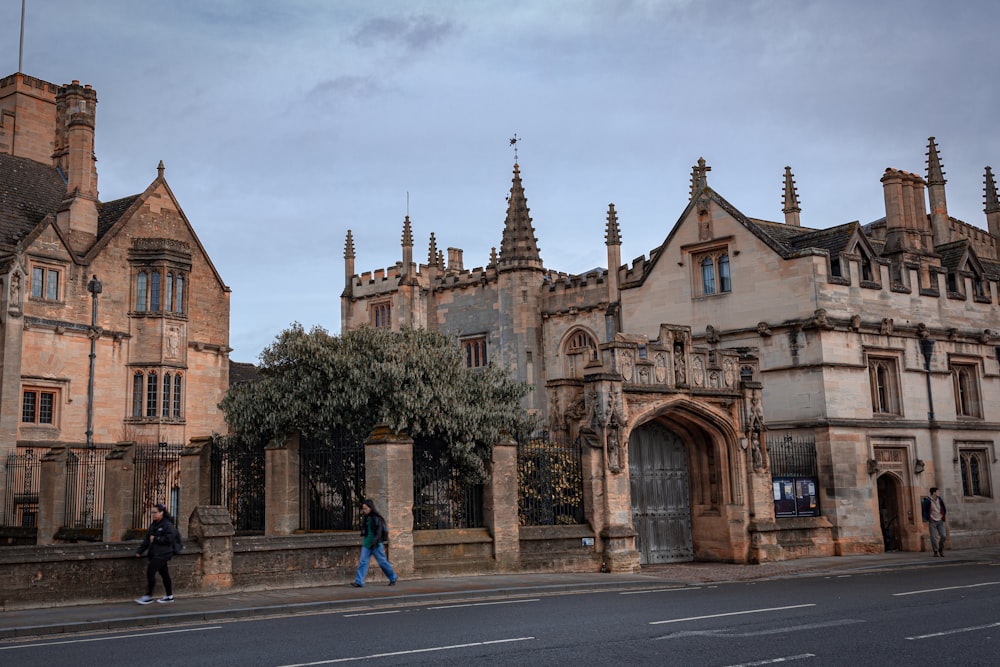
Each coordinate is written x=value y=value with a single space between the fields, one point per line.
x=118 y=292
x=751 y=389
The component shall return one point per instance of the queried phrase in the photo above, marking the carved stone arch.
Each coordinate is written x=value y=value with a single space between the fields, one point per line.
x=577 y=348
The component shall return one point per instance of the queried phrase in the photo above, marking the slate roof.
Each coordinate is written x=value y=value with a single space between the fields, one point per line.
x=110 y=212
x=28 y=192
x=242 y=372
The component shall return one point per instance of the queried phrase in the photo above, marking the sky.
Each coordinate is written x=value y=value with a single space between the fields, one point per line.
x=283 y=124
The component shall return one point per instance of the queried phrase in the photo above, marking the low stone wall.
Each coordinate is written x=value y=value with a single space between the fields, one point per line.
x=559 y=549
x=321 y=559
x=459 y=551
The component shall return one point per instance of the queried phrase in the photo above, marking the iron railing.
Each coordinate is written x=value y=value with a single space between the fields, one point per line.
x=85 y=487
x=237 y=482
x=157 y=480
x=442 y=496
x=794 y=475
x=20 y=506
x=331 y=482
x=549 y=481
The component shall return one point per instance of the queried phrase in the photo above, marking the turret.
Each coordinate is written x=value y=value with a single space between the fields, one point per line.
x=349 y=264
x=613 y=239
x=518 y=247
x=76 y=108
x=790 y=200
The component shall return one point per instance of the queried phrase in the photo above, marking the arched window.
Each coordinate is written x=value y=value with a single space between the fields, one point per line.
x=137 y=395
x=166 y=394
x=154 y=291
x=714 y=274
x=177 y=396
x=179 y=295
x=707 y=276
x=151 y=394
x=580 y=349
x=140 y=292
x=168 y=293
x=724 y=283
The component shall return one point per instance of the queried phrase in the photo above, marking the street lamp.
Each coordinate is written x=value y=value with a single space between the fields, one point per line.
x=94 y=287
x=927 y=349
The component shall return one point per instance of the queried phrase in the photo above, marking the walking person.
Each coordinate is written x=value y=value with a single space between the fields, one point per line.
x=159 y=542
x=935 y=513
x=374 y=532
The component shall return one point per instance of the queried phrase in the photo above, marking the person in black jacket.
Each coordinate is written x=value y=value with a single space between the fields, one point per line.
x=374 y=533
x=159 y=541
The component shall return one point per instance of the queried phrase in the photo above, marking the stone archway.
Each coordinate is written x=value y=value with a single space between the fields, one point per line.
x=660 y=495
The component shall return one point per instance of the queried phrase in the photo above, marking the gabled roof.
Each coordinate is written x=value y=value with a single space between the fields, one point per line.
x=29 y=191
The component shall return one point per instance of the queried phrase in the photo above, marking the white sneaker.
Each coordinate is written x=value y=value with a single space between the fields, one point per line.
x=166 y=598
x=145 y=599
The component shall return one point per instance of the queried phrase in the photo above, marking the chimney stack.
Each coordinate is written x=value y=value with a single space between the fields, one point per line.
x=76 y=108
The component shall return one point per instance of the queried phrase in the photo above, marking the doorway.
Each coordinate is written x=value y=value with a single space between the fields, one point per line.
x=660 y=494
x=888 y=512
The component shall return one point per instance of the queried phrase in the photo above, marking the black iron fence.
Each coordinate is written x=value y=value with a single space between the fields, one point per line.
x=85 y=488
x=237 y=482
x=442 y=496
x=549 y=481
x=794 y=475
x=157 y=480
x=331 y=482
x=20 y=506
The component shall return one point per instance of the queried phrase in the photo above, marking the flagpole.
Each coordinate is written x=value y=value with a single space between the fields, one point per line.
x=20 y=49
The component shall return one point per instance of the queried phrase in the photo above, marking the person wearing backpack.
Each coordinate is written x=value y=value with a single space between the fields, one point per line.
x=373 y=532
x=162 y=541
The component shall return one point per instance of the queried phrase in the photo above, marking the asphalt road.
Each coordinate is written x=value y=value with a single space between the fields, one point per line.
x=932 y=616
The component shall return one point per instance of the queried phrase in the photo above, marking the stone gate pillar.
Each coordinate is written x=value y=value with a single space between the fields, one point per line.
x=51 y=494
x=281 y=479
x=389 y=482
x=119 y=491
x=196 y=479
x=500 y=505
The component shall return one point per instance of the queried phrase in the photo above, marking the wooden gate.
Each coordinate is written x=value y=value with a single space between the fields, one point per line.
x=661 y=499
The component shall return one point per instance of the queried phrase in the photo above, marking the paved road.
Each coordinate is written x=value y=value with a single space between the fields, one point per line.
x=917 y=615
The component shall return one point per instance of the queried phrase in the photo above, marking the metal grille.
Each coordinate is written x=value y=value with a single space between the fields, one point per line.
x=792 y=456
x=85 y=487
x=157 y=480
x=237 y=482
x=331 y=482
x=20 y=508
x=442 y=498
x=549 y=481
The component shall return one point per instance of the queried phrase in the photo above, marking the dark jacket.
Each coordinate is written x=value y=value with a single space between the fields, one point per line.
x=925 y=508
x=373 y=530
x=159 y=540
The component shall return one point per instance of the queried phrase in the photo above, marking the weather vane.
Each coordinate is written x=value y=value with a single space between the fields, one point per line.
x=513 y=142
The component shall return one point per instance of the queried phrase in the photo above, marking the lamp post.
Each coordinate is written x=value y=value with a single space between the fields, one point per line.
x=927 y=349
x=94 y=287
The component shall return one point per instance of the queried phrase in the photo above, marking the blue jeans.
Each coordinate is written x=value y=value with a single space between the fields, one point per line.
x=383 y=562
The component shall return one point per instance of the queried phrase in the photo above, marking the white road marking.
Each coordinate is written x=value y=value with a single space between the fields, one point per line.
x=731 y=613
x=758 y=633
x=373 y=613
x=801 y=656
x=104 y=639
x=955 y=631
x=661 y=590
x=482 y=604
x=410 y=652
x=949 y=588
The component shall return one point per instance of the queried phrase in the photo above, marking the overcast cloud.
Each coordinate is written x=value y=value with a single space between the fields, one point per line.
x=283 y=124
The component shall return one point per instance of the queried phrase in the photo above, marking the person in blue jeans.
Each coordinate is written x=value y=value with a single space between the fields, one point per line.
x=374 y=533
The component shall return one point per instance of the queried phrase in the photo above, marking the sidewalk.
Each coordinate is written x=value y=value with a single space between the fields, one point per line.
x=127 y=615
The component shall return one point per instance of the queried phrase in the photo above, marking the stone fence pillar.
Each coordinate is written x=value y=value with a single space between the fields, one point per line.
x=196 y=478
x=500 y=505
x=389 y=482
x=119 y=491
x=51 y=495
x=281 y=479
x=212 y=526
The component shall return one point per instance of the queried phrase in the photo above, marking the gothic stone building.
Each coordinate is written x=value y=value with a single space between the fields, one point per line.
x=750 y=390
x=161 y=336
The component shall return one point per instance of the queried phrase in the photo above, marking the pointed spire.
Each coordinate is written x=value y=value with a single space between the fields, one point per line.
x=935 y=175
x=699 y=176
x=940 y=224
x=518 y=247
x=432 y=251
x=349 y=245
x=612 y=235
x=407 y=276
x=159 y=169
x=493 y=256
x=790 y=200
x=990 y=201
x=407 y=233
x=992 y=208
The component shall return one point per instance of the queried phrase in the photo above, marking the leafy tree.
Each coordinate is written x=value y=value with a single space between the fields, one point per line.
x=415 y=381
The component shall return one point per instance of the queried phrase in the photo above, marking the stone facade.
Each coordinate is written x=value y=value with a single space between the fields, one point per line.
x=158 y=328
x=876 y=345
